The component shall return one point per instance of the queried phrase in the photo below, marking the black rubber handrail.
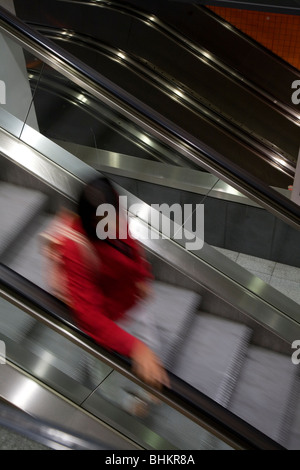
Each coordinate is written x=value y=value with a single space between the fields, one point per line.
x=189 y=399
x=267 y=197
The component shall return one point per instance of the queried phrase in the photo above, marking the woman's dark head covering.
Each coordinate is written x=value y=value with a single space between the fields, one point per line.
x=98 y=191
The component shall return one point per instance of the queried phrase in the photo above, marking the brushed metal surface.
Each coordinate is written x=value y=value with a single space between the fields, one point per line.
x=32 y=397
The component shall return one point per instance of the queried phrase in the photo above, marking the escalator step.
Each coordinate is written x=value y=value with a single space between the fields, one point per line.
x=28 y=260
x=262 y=393
x=293 y=438
x=212 y=356
x=18 y=208
x=169 y=310
x=174 y=309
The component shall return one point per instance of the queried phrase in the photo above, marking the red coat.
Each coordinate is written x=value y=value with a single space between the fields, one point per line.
x=101 y=296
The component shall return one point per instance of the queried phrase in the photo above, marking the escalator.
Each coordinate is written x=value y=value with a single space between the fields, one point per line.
x=226 y=335
x=39 y=335
x=185 y=80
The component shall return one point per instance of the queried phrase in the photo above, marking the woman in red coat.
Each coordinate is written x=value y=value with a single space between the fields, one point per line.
x=105 y=278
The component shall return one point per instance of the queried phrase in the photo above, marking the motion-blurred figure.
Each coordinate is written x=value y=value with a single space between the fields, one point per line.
x=102 y=280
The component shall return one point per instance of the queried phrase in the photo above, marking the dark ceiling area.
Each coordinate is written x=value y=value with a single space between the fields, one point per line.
x=291 y=7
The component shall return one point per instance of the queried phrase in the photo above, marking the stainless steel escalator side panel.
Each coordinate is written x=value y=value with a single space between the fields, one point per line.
x=171 y=176
x=51 y=170
x=207 y=268
x=10 y=123
x=40 y=402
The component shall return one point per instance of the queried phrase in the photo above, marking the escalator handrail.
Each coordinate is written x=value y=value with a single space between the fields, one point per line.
x=190 y=401
x=200 y=152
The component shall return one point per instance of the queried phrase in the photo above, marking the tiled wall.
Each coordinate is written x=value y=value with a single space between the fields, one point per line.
x=278 y=32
